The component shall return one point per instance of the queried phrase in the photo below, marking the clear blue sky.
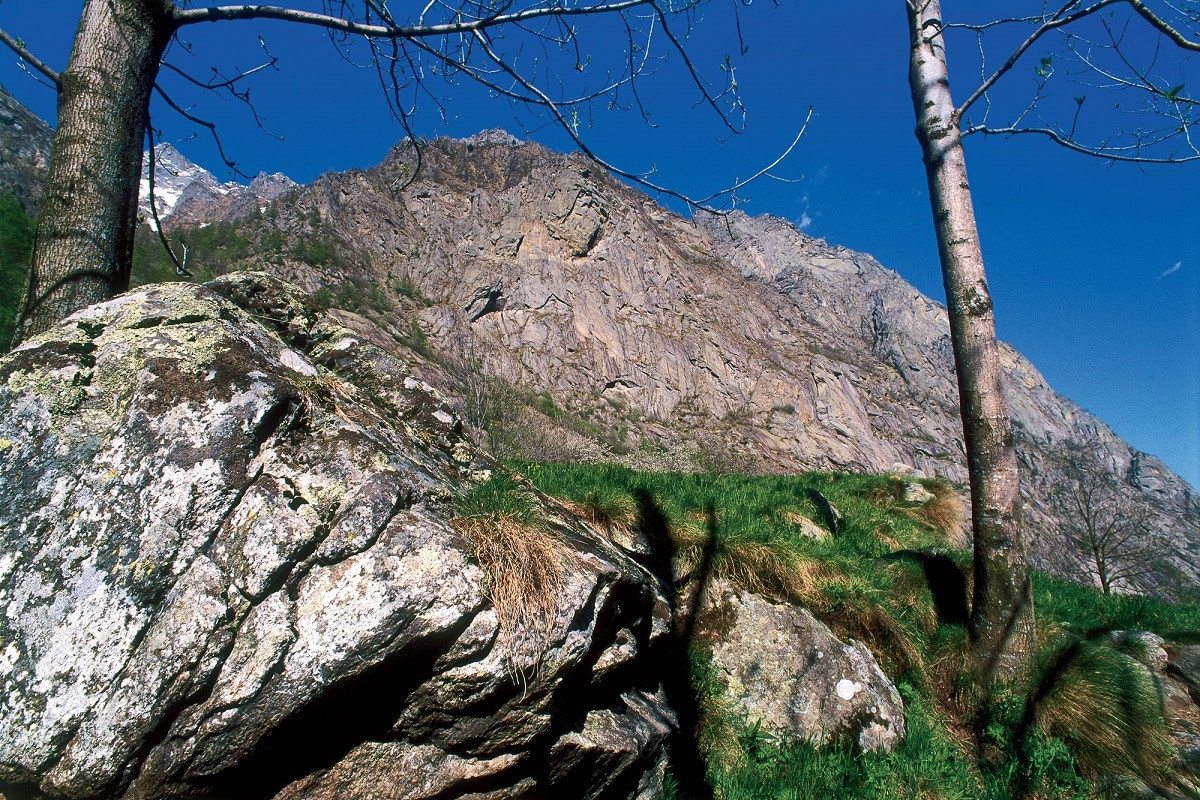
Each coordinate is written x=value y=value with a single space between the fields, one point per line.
x=1094 y=268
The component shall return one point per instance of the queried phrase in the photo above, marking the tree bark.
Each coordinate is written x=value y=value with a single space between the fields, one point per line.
x=1002 y=617
x=84 y=242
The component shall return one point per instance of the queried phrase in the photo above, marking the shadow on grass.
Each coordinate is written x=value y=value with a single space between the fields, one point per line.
x=686 y=760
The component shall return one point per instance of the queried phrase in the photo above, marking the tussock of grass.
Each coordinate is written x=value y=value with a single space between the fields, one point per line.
x=720 y=726
x=522 y=559
x=1081 y=609
x=607 y=509
x=946 y=513
x=1108 y=706
x=524 y=568
x=768 y=568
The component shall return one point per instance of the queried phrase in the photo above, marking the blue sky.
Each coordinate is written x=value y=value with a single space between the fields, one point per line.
x=1094 y=267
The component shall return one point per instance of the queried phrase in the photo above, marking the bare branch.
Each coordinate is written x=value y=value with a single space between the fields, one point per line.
x=1109 y=524
x=212 y=128
x=640 y=179
x=696 y=76
x=453 y=41
x=1099 y=151
x=17 y=47
x=151 y=158
x=229 y=84
x=1162 y=27
x=1057 y=20
x=387 y=31
x=1108 y=63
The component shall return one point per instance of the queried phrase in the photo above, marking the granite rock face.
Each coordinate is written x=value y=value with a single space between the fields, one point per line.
x=230 y=568
x=729 y=343
x=24 y=151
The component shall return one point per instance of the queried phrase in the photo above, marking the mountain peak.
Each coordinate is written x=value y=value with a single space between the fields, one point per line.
x=493 y=136
x=188 y=194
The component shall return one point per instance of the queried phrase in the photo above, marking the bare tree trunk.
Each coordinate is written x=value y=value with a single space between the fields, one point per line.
x=84 y=242
x=1002 y=619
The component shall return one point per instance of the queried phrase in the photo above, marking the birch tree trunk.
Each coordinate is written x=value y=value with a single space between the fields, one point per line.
x=84 y=242
x=1002 y=617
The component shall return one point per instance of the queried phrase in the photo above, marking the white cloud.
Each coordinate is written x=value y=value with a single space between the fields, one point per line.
x=1178 y=265
x=805 y=221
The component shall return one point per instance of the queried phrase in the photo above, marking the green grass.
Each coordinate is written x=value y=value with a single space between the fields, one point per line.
x=929 y=763
x=844 y=579
x=1093 y=715
x=503 y=494
x=1081 y=610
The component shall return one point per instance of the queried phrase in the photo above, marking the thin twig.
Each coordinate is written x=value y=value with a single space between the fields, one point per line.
x=180 y=266
x=222 y=13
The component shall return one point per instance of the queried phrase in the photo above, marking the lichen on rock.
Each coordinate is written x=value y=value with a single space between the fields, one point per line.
x=228 y=562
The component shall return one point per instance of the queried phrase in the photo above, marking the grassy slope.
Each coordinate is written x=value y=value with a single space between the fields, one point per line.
x=1065 y=745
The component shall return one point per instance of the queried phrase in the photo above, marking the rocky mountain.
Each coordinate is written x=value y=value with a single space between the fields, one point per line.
x=232 y=565
x=719 y=342
x=24 y=151
x=186 y=194
x=572 y=317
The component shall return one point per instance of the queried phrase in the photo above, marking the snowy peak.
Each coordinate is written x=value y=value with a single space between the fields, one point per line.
x=173 y=174
x=187 y=194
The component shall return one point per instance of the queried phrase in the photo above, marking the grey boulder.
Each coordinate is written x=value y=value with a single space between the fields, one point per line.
x=230 y=567
x=785 y=671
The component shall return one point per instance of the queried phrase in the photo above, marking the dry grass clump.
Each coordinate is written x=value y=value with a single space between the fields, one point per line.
x=772 y=569
x=1108 y=707
x=521 y=558
x=947 y=512
x=524 y=565
x=608 y=510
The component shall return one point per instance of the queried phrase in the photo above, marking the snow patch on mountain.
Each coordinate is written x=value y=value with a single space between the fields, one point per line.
x=186 y=193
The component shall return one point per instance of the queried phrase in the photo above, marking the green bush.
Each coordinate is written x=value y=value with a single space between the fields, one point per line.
x=211 y=251
x=321 y=251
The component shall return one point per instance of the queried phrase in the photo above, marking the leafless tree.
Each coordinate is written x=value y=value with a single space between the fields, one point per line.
x=1092 y=39
x=1107 y=522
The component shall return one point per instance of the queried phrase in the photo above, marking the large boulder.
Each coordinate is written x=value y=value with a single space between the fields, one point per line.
x=230 y=567
x=785 y=671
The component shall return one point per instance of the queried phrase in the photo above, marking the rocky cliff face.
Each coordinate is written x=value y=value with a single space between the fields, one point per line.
x=736 y=339
x=24 y=151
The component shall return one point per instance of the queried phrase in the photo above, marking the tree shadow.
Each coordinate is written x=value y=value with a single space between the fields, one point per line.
x=1131 y=707
x=946 y=582
x=686 y=759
